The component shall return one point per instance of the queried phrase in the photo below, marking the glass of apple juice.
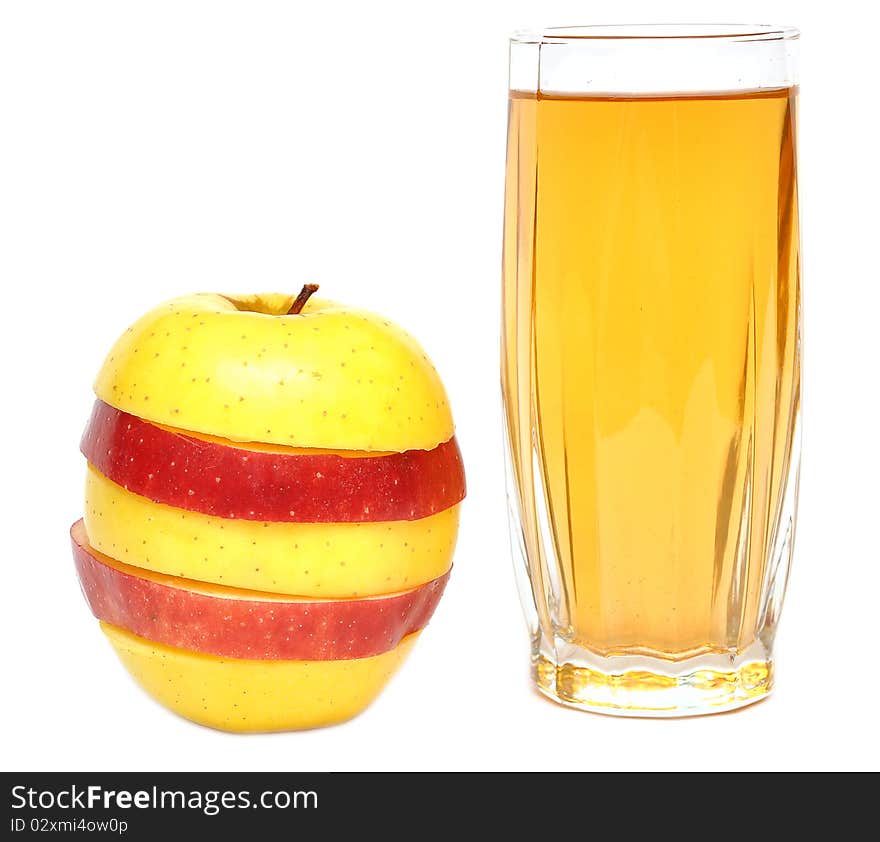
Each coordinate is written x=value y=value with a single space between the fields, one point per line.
x=651 y=359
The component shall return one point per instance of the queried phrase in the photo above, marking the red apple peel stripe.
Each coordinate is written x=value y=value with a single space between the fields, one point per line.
x=176 y=469
x=232 y=627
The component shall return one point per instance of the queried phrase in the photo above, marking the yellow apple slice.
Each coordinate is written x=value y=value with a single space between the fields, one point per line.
x=242 y=368
x=304 y=559
x=243 y=695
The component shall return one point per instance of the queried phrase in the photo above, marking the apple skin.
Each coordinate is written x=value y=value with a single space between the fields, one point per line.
x=239 y=367
x=246 y=624
x=213 y=478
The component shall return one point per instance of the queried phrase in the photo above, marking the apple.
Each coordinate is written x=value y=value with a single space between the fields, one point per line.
x=243 y=695
x=236 y=623
x=245 y=369
x=272 y=503
x=302 y=559
x=279 y=484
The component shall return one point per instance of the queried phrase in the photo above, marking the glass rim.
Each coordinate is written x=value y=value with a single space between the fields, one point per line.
x=727 y=32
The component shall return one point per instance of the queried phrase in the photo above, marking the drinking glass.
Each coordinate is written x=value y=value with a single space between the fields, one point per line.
x=651 y=359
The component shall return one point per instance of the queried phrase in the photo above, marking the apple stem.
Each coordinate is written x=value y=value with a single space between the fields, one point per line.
x=304 y=295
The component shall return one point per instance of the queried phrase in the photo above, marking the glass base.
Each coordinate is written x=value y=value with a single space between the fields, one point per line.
x=642 y=685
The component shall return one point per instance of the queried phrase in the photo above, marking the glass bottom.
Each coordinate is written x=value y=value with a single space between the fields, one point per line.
x=642 y=685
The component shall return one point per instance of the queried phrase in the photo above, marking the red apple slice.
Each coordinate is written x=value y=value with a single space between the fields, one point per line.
x=220 y=479
x=237 y=623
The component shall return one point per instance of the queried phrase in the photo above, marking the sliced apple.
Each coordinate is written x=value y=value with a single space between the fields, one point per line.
x=303 y=559
x=221 y=479
x=247 y=696
x=239 y=367
x=237 y=623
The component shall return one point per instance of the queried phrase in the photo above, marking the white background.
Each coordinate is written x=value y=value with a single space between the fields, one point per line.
x=154 y=148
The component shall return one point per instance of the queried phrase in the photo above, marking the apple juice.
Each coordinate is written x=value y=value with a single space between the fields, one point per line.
x=651 y=368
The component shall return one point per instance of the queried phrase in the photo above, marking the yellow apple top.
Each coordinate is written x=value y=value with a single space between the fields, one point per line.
x=240 y=367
